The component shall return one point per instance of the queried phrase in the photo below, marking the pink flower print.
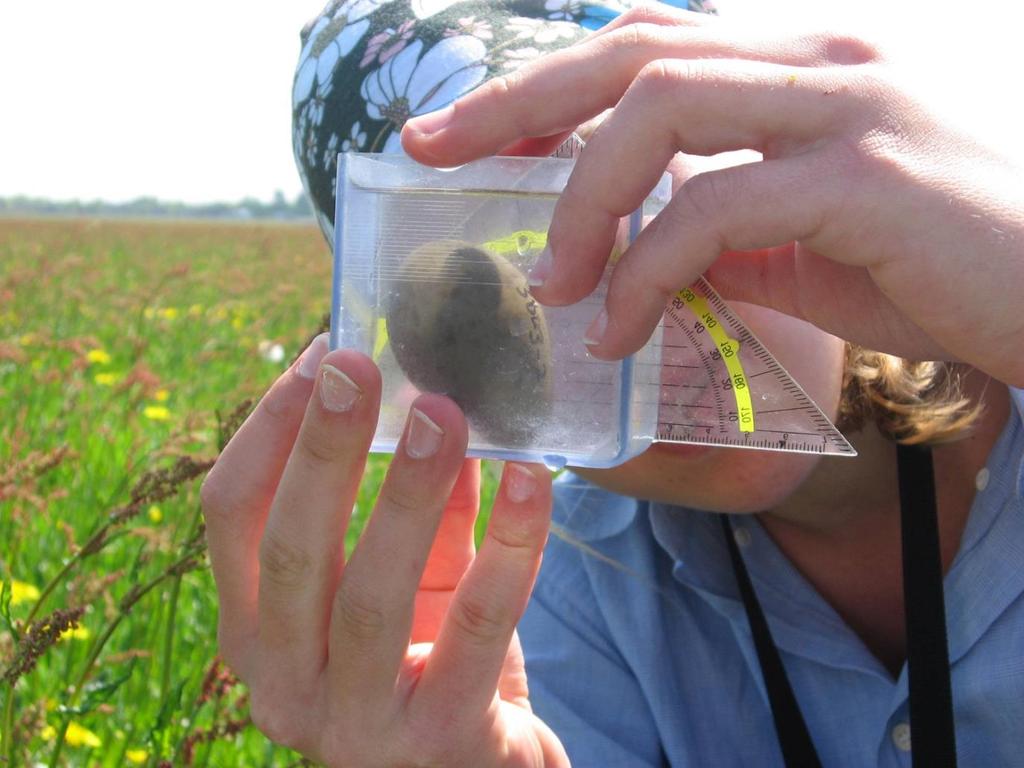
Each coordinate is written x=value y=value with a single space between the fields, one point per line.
x=387 y=43
x=469 y=25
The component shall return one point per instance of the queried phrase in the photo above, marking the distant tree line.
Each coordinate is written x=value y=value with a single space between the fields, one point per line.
x=150 y=207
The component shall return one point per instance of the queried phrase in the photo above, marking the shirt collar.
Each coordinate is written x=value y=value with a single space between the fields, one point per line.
x=801 y=621
x=985 y=576
x=1017 y=398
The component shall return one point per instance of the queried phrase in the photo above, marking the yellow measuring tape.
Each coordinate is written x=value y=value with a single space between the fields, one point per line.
x=729 y=349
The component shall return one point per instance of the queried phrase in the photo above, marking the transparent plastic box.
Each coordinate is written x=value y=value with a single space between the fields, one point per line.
x=430 y=280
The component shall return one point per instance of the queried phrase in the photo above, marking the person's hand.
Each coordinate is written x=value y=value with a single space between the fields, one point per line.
x=407 y=653
x=868 y=216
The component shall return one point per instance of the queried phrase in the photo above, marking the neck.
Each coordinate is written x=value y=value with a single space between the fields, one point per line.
x=842 y=528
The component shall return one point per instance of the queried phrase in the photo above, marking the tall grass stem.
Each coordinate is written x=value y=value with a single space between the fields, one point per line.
x=127 y=603
x=172 y=612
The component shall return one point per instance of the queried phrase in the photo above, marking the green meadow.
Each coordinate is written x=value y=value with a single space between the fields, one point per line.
x=129 y=353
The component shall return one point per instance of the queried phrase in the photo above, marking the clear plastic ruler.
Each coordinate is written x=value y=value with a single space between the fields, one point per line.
x=718 y=385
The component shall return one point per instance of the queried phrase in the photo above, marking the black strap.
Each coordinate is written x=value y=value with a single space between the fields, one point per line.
x=931 y=699
x=931 y=695
x=794 y=738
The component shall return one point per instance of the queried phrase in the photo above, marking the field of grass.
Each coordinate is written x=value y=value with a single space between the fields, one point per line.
x=127 y=353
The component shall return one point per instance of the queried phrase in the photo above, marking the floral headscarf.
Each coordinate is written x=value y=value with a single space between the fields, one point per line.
x=367 y=66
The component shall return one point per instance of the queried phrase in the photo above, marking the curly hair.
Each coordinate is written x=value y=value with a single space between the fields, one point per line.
x=913 y=403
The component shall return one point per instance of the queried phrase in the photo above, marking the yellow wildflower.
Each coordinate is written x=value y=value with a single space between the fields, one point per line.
x=155 y=515
x=237 y=322
x=78 y=736
x=169 y=313
x=26 y=339
x=22 y=592
x=219 y=313
x=161 y=395
x=78 y=633
x=148 y=313
x=195 y=310
x=97 y=355
x=156 y=413
x=106 y=379
x=137 y=756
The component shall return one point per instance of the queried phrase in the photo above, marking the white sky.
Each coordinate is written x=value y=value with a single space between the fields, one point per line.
x=190 y=100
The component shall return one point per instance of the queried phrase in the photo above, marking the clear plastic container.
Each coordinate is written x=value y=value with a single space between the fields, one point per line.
x=430 y=280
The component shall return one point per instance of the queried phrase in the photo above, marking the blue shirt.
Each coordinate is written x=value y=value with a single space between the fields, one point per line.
x=639 y=653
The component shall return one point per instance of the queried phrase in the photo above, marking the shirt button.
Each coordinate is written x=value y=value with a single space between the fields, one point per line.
x=901 y=737
x=981 y=481
x=742 y=536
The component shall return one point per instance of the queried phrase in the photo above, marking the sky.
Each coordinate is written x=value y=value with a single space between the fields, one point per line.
x=190 y=100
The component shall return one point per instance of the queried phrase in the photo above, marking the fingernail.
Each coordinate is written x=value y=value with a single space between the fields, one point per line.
x=597 y=328
x=337 y=391
x=432 y=122
x=541 y=269
x=519 y=483
x=309 y=363
x=424 y=436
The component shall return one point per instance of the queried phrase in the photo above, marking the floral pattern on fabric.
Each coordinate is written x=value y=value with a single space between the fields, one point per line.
x=410 y=85
x=367 y=66
x=331 y=39
x=388 y=43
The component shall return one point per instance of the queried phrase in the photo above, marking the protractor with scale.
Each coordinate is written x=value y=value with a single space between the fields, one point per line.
x=720 y=386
